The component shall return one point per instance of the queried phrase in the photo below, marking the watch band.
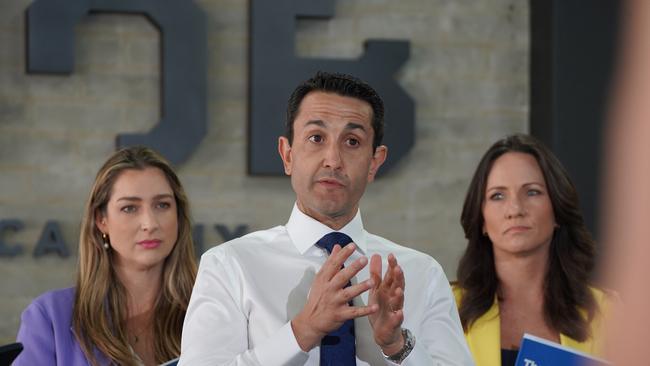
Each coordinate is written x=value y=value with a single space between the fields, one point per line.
x=409 y=343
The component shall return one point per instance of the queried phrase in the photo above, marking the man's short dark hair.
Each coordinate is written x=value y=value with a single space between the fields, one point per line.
x=344 y=85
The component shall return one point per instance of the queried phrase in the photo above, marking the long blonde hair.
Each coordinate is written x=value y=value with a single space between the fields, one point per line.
x=99 y=314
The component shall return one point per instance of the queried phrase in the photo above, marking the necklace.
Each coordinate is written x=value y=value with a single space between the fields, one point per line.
x=135 y=336
x=137 y=329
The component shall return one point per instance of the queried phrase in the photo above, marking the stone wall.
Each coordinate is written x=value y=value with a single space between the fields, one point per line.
x=468 y=75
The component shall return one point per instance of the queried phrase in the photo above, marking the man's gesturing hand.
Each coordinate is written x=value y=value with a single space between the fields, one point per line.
x=327 y=305
x=388 y=295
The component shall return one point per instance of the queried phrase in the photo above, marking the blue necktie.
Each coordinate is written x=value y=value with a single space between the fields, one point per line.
x=337 y=348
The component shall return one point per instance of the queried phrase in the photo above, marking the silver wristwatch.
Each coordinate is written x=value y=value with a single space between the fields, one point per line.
x=409 y=343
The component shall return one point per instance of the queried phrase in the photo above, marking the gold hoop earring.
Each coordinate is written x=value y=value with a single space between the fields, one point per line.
x=105 y=238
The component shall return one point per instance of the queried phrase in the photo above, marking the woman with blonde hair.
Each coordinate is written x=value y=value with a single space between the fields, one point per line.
x=135 y=276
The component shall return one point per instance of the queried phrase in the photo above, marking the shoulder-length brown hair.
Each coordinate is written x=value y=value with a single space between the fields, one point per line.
x=99 y=314
x=571 y=256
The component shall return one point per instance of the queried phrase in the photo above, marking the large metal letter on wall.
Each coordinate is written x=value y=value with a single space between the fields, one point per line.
x=275 y=72
x=50 y=49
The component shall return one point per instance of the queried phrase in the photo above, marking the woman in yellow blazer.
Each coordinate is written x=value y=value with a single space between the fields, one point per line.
x=483 y=336
x=529 y=256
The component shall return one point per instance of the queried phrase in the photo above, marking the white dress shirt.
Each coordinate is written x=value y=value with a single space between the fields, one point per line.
x=248 y=290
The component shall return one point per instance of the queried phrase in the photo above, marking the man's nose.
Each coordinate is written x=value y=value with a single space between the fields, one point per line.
x=332 y=157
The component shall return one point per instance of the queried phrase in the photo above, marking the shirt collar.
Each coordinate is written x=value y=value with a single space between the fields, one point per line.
x=305 y=231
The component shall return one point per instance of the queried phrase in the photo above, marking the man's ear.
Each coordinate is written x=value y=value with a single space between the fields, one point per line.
x=284 y=149
x=378 y=158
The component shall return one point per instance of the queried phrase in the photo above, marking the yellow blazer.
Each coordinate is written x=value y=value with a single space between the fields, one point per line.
x=484 y=335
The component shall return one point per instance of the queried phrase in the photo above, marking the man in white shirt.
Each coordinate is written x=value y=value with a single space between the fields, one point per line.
x=282 y=297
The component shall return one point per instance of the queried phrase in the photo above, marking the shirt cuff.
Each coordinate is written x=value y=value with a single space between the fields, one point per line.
x=281 y=349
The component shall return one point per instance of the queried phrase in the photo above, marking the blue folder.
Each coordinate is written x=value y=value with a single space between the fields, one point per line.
x=535 y=351
x=173 y=362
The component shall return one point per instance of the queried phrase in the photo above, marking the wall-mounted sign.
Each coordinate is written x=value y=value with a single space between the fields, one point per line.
x=182 y=26
x=275 y=71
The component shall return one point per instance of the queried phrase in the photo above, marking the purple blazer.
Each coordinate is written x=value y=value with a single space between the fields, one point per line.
x=47 y=335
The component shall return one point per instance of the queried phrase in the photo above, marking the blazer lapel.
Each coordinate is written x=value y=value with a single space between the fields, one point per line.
x=484 y=338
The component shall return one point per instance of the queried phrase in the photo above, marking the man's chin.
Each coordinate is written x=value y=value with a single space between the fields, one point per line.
x=332 y=209
x=331 y=206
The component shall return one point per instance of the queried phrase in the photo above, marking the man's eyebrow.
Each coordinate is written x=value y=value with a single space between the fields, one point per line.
x=354 y=126
x=348 y=126
x=316 y=122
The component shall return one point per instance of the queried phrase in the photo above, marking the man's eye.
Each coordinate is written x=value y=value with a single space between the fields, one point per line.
x=128 y=209
x=353 y=142
x=316 y=138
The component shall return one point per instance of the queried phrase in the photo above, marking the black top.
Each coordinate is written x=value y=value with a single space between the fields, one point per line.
x=9 y=352
x=508 y=357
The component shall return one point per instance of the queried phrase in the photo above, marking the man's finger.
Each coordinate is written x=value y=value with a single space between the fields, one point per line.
x=390 y=272
x=392 y=260
x=389 y=279
x=343 y=254
x=396 y=272
x=335 y=249
x=352 y=312
x=397 y=299
x=336 y=260
x=375 y=269
x=342 y=277
x=397 y=276
x=349 y=293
